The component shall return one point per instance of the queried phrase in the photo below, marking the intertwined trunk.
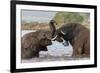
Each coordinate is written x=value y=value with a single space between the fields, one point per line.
x=52 y=27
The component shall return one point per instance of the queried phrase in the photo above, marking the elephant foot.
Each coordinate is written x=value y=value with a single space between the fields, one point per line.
x=86 y=56
x=80 y=56
x=76 y=56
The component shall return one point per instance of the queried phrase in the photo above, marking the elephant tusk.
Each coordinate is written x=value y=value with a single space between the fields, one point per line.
x=54 y=38
x=63 y=32
x=63 y=40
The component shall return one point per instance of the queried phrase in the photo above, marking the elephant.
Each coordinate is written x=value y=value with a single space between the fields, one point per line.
x=34 y=42
x=78 y=35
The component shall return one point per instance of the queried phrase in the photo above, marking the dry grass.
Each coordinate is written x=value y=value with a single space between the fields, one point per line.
x=44 y=26
x=34 y=26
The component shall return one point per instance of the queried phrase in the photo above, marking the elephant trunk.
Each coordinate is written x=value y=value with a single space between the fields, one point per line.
x=53 y=28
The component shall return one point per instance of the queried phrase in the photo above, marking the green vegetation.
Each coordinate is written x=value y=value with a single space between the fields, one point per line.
x=74 y=17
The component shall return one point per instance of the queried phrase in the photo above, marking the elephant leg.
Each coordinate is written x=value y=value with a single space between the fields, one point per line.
x=26 y=54
x=86 y=50
x=77 y=48
x=37 y=54
x=76 y=53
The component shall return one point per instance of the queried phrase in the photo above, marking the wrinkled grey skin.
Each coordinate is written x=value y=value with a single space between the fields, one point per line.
x=34 y=42
x=77 y=35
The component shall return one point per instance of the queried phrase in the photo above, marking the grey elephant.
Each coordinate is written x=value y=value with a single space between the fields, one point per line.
x=78 y=35
x=34 y=42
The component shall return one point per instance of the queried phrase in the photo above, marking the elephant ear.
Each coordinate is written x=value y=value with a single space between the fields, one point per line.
x=41 y=35
x=26 y=42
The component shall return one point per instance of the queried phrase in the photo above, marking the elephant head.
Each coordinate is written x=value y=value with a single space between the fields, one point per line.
x=44 y=37
x=34 y=42
x=57 y=34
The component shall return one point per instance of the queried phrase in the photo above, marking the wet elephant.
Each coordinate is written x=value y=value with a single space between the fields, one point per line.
x=78 y=35
x=34 y=42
